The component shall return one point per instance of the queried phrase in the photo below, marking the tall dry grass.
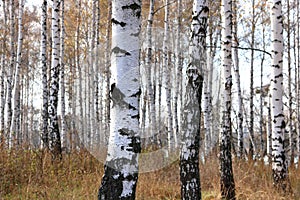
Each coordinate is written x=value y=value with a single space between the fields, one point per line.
x=32 y=175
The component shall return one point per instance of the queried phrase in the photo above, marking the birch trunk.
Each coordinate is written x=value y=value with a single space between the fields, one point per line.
x=166 y=76
x=43 y=55
x=279 y=165
x=251 y=128
x=178 y=70
x=54 y=134
x=2 y=78
x=189 y=157
x=121 y=167
x=10 y=70
x=149 y=66
x=227 y=180
x=107 y=70
x=236 y=65
x=15 y=123
x=62 y=76
x=78 y=67
x=290 y=129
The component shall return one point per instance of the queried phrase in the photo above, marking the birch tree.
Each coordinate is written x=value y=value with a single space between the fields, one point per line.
x=44 y=66
x=167 y=74
x=279 y=165
x=54 y=135
x=189 y=157
x=2 y=78
x=235 y=57
x=121 y=167
x=149 y=67
x=11 y=67
x=226 y=172
x=15 y=124
x=62 y=76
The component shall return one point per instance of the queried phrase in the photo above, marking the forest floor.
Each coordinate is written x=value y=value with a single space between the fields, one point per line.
x=31 y=175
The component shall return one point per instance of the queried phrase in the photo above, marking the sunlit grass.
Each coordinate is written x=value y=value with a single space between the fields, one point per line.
x=31 y=175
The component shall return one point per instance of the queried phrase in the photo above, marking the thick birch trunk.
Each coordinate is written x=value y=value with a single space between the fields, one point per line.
x=279 y=165
x=227 y=180
x=121 y=167
x=189 y=157
x=54 y=135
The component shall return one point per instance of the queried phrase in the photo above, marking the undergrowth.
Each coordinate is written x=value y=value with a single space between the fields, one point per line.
x=32 y=175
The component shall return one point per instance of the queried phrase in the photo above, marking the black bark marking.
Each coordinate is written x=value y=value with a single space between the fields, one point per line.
x=117 y=50
x=122 y=24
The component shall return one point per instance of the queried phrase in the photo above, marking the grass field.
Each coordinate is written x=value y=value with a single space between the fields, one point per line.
x=31 y=175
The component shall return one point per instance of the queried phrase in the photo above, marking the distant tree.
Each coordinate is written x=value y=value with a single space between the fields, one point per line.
x=193 y=83
x=62 y=75
x=11 y=69
x=16 y=105
x=121 y=167
x=227 y=180
x=3 y=74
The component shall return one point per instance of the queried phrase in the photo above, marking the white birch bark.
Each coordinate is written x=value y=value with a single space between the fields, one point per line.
x=10 y=70
x=15 y=123
x=54 y=134
x=227 y=180
x=79 y=69
x=193 y=83
x=279 y=165
x=107 y=71
x=166 y=77
x=2 y=78
x=44 y=66
x=62 y=76
x=121 y=167
x=236 y=64
x=149 y=66
x=178 y=72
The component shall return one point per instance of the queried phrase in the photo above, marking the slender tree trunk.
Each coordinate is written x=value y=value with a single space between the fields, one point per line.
x=107 y=70
x=3 y=74
x=121 y=167
x=290 y=118
x=227 y=180
x=15 y=123
x=279 y=165
x=78 y=67
x=10 y=71
x=166 y=76
x=263 y=94
x=149 y=67
x=62 y=76
x=189 y=157
x=178 y=70
x=236 y=64
x=54 y=134
x=251 y=128
x=44 y=65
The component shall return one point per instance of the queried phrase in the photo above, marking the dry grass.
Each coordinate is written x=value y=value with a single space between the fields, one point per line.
x=31 y=175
